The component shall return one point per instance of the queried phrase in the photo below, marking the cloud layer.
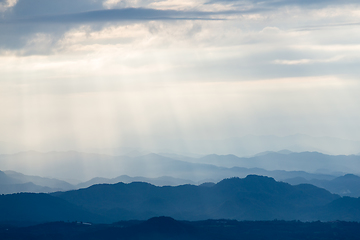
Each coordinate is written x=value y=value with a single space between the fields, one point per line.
x=103 y=72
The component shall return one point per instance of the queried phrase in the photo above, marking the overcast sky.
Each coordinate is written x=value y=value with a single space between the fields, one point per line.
x=95 y=73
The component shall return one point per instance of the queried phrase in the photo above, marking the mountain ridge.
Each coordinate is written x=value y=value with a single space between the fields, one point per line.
x=250 y=198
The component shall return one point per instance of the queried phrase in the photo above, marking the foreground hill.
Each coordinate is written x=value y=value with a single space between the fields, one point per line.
x=161 y=228
x=251 y=198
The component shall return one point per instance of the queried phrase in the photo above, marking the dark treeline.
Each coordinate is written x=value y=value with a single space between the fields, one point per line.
x=167 y=228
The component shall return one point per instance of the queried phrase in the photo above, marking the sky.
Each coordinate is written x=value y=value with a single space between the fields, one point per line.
x=110 y=73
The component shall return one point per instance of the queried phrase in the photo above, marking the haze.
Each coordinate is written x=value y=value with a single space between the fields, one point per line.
x=173 y=75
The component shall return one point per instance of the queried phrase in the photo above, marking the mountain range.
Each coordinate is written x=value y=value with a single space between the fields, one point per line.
x=293 y=161
x=160 y=181
x=84 y=166
x=244 y=146
x=251 y=198
x=14 y=182
x=159 y=170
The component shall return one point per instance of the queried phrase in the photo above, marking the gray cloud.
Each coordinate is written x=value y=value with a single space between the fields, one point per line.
x=25 y=8
x=54 y=18
x=126 y=14
x=15 y=31
x=325 y=26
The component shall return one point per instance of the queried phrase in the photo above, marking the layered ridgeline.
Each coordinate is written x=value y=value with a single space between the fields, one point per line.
x=251 y=198
x=14 y=182
x=160 y=170
x=84 y=166
x=347 y=185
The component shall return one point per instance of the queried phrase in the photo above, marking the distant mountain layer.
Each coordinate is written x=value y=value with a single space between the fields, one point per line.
x=83 y=166
x=24 y=187
x=13 y=182
x=303 y=161
x=166 y=228
x=10 y=185
x=250 y=145
x=241 y=146
x=5 y=179
x=347 y=185
x=41 y=181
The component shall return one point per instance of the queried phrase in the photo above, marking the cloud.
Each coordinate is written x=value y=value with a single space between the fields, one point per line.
x=17 y=30
x=7 y=4
x=325 y=26
x=39 y=25
x=130 y=58
x=16 y=33
x=113 y=15
x=25 y=8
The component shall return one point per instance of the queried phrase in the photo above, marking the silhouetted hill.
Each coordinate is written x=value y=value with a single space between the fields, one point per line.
x=346 y=209
x=160 y=181
x=251 y=198
x=207 y=184
x=31 y=207
x=347 y=185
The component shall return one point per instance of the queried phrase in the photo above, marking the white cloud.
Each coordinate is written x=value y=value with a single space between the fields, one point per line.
x=7 y=4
